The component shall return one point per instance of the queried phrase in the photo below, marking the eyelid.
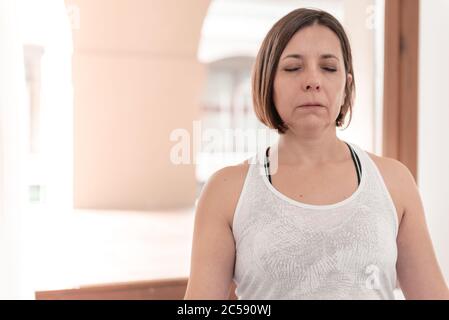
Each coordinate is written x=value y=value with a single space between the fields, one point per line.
x=327 y=68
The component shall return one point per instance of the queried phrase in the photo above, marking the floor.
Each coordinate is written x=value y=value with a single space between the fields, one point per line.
x=89 y=247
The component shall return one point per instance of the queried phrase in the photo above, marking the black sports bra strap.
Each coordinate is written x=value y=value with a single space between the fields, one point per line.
x=267 y=165
x=356 y=161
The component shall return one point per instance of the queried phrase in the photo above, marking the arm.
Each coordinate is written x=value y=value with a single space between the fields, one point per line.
x=213 y=248
x=418 y=272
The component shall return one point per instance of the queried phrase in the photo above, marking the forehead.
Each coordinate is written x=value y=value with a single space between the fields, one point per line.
x=314 y=40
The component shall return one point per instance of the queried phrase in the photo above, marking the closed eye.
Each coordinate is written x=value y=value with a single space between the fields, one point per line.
x=325 y=68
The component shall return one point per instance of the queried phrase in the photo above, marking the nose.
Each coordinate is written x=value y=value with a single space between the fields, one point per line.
x=311 y=85
x=311 y=81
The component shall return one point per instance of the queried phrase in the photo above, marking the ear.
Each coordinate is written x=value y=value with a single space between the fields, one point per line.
x=349 y=78
x=348 y=82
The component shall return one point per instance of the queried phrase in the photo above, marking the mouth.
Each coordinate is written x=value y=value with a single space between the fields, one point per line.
x=311 y=105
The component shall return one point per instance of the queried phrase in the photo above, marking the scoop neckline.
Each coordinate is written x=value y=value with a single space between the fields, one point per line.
x=324 y=206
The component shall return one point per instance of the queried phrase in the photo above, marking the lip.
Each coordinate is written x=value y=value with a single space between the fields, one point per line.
x=308 y=105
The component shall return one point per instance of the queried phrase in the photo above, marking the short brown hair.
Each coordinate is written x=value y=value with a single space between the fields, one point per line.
x=266 y=63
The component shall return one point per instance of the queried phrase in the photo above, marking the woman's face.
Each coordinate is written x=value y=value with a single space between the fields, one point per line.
x=311 y=71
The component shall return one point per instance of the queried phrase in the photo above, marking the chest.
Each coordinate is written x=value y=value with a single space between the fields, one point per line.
x=317 y=186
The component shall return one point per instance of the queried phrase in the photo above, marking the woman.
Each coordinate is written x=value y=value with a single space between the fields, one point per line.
x=325 y=219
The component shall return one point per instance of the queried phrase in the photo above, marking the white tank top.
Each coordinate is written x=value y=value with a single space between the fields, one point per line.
x=286 y=249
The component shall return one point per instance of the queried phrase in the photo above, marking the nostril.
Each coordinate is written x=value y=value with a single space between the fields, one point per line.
x=310 y=87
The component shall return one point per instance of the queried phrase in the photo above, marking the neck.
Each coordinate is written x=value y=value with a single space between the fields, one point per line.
x=310 y=150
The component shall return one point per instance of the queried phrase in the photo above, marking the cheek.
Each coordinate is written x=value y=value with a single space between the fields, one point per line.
x=338 y=91
x=342 y=94
x=283 y=93
x=279 y=94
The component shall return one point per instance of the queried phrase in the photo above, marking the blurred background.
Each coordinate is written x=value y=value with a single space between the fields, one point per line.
x=114 y=113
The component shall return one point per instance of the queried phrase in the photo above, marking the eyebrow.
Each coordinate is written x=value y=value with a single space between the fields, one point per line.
x=299 y=56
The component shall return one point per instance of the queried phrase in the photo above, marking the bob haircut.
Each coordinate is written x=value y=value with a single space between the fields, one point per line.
x=267 y=60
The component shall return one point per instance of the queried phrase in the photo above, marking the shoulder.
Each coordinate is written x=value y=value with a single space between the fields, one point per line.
x=398 y=179
x=229 y=178
x=394 y=169
x=222 y=190
x=230 y=174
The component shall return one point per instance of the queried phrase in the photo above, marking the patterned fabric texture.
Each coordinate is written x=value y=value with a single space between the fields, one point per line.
x=286 y=249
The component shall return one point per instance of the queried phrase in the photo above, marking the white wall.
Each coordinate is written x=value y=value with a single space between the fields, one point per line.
x=433 y=155
x=13 y=133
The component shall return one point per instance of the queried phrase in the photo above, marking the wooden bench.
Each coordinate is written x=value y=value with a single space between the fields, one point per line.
x=166 y=289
